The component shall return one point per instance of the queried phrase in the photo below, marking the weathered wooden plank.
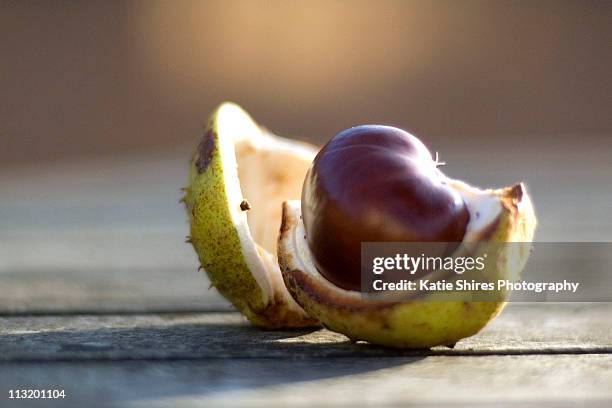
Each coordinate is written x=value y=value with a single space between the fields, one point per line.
x=535 y=329
x=98 y=235
x=102 y=270
x=108 y=235
x=496 y=381
x=108 y=291
x=114 y=271
x=142 y=192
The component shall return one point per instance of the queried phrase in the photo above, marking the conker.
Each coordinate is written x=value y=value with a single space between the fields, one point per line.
x=375 y=184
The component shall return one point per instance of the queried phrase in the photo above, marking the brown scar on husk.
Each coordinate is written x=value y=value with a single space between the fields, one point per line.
x=513 y=195
x=287 y=223
x=245 y=205
x=278 y=312
x=517 y=191
x=205 y=151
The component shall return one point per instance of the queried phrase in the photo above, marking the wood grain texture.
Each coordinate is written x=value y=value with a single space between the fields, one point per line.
x=119 y=271
x=99 y=295
x=102 y=270
x=537 y=355
x=541 y=381
x=535 y=329
x=109 y=235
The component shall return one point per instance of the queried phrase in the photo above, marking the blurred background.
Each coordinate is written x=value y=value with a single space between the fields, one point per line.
x=101 y=104
x=96 y=79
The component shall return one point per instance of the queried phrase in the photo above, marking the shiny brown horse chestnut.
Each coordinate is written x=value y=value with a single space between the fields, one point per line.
x=375 y=184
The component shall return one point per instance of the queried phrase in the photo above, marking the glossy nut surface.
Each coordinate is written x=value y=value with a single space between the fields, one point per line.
x=375 y=184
